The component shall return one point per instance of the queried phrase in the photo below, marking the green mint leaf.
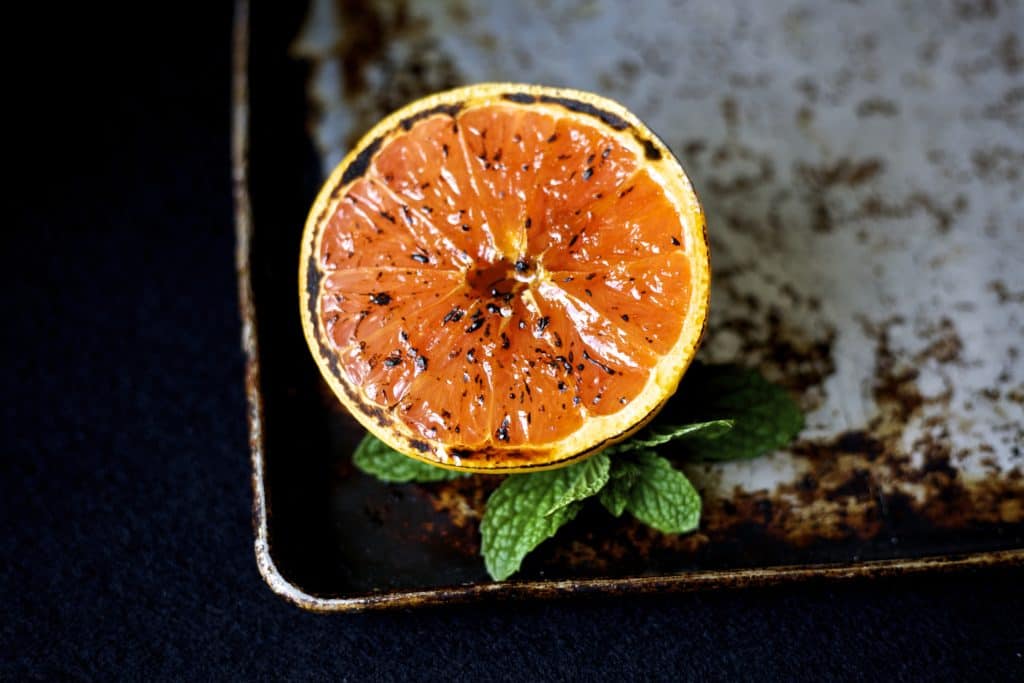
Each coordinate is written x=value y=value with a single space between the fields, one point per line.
x=662 y=497
x=615 y=494
x=527 y=509
x=764 y=416
x=586 y=479
x=658 y=434
x=376 y=458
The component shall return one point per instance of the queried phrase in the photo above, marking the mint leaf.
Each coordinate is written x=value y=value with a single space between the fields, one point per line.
x=654 y=492
x=615 y=494
x=526 y=509
x=586 y=479
x=376 y=458
x=658 y=434
x=764 y=416
x=662 y=497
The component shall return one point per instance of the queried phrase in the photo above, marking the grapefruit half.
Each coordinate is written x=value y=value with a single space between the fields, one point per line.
x=504 y=277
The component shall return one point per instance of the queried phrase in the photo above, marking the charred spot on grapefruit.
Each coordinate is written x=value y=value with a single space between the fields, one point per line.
x=505 y=277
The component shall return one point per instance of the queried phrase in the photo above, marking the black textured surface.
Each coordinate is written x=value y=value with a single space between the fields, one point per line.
x=124 y=476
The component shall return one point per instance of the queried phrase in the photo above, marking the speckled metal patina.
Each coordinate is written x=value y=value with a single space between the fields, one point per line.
x=861 y=166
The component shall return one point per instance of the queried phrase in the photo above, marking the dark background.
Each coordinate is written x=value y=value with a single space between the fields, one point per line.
x=124 y=472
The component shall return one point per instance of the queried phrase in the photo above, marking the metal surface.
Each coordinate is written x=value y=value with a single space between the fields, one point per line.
x=859 y=166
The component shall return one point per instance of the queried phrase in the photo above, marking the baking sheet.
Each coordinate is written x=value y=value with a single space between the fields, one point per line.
x=860 y=171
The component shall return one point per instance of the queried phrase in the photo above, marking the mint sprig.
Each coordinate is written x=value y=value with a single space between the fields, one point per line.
x=719 y=413
x=526 y=509
x=615 y=495
x=661 y=496
x=659 y=434
x=587 y=478
x=763 y=414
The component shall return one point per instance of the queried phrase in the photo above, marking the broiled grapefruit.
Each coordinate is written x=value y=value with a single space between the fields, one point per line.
x=505 y=277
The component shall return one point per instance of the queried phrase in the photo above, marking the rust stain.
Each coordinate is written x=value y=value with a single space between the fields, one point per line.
x=843 y=172
x=877 y=106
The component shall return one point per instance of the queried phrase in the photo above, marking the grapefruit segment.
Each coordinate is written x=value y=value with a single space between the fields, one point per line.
x=505 y=277
x=502 y=147
x=580 y=165
x=604 y=370
x=634 y=297
x=626 y=224
x=358 y=303
x=428 y=173
x=356 y=238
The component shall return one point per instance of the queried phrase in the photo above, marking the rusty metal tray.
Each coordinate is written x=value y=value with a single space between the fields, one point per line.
x=860 y=169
